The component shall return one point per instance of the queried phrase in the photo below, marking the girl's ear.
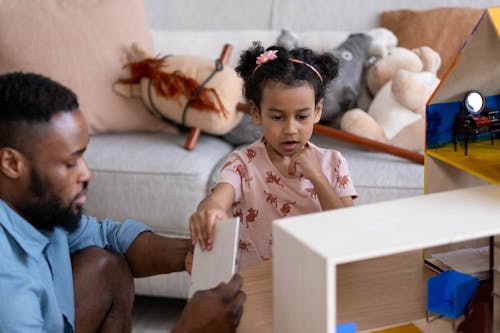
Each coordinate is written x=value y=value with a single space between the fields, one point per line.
x=317 y=111
x=255 y=113
x=11 y=163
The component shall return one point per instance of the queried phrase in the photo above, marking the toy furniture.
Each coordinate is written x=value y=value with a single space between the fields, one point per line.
x=346 y=328
x=309 y=250
x=477 y=313
x=449 y=292
x=475 y=119
x=475 y=69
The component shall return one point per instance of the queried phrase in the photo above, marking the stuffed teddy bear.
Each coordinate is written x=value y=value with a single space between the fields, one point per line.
x=396 y=115
x=383 y=68
x=191 y=91
x=382 y=41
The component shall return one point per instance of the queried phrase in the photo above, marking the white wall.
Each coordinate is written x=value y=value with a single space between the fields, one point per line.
x=299 y=15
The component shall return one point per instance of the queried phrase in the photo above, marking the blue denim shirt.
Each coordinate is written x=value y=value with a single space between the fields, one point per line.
x=36 y=282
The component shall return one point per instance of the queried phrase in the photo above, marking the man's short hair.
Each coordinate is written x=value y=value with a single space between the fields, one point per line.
x=27 y=99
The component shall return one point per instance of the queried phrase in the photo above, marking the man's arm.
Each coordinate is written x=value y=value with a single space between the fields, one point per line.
x=151 y=254
x=146 y=252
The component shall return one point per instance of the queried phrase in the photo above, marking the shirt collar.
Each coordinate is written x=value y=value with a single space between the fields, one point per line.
x=31 y=240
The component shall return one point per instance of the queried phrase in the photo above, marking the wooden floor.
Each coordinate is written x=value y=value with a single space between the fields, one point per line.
x=440 y=325
x=158 y=315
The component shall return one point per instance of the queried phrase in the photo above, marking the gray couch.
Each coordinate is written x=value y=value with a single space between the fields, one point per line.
x=152 y=178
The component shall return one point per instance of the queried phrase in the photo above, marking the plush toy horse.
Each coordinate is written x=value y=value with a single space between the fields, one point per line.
x=190 y=91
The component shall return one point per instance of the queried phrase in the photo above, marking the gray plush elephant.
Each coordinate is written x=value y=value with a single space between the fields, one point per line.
x=343 y=92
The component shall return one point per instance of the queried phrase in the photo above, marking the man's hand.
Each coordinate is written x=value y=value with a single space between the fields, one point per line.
x=214 y=310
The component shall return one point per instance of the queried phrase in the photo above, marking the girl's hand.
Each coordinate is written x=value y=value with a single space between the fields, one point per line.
x=201 y=226
x=309 y=163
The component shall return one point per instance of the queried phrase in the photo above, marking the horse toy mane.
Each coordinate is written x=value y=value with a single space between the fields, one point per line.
x=175 y=84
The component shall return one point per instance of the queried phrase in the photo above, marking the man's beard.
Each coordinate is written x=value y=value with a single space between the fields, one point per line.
x=47 y=211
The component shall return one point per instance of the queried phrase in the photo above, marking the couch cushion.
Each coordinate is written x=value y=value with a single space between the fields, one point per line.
x=150 y=177
x=377 y=176
x=80 y=43
x=445 y=30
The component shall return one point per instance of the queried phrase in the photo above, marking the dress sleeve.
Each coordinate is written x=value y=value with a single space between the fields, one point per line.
x=343 y=183
x=231 y=173
x=112 y=235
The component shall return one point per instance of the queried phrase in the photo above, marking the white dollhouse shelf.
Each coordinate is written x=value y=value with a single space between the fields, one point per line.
x=308 y=248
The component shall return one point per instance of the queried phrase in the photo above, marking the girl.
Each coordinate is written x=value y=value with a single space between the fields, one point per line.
x=282 y=174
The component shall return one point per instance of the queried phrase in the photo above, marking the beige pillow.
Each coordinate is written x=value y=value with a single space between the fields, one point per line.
x=80 y=43
x=445 y=30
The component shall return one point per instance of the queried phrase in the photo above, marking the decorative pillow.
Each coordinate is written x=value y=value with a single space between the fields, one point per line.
x=78 y=42
x=443 y=29
x=189 y=90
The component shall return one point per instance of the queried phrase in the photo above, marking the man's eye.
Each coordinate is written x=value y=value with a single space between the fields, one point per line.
x=302 y=117
x=71 y=164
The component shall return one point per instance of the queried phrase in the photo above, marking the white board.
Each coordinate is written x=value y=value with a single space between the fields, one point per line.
x=218 y=265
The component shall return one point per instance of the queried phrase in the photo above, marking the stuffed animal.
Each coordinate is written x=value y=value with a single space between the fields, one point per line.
x=397 y=113
x=287 y=39
x=191 y=91
x=342 y=93
x=383 y=68
x=382 y=41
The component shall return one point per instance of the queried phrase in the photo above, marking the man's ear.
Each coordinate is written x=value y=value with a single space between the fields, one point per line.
x=254 y=113
x=317 y=111
x=11 y=162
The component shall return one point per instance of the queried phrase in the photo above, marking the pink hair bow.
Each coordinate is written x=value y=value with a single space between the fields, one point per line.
x=266 y=56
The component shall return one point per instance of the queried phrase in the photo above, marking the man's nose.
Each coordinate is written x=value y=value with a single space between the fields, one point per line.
x=86 y=174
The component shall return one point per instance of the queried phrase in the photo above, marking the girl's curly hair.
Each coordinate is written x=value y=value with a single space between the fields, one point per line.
x=285 y=71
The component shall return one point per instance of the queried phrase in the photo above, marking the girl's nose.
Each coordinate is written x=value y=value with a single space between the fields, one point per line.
x=291 y=129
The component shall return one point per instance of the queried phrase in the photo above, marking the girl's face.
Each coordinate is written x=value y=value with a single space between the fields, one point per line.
x=287 y=115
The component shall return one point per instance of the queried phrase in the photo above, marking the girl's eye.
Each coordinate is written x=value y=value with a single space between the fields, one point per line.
x=302 y=117
x=71 y=164
x=276 y=117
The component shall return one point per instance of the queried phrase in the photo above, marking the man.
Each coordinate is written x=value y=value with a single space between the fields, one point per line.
x=61 y=271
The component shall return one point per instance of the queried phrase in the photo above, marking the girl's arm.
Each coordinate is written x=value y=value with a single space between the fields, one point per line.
x=213 y=207
x=310 y=165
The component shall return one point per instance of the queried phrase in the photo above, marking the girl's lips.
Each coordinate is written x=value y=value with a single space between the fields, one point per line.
x=289 y=145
